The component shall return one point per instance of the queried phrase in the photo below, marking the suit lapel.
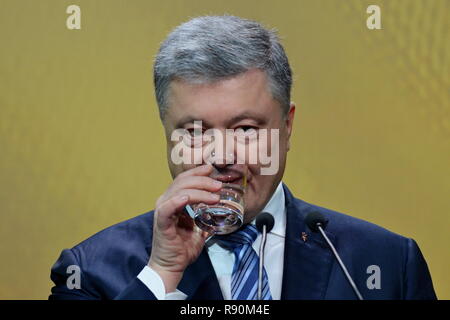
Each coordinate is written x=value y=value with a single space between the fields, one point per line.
x=199 y=281
x=307 y=264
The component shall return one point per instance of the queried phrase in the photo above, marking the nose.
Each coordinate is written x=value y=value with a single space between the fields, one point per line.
x=222 y=151
x=221 y=160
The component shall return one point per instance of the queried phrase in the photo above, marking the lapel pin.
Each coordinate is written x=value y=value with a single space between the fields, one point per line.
x=304 y=236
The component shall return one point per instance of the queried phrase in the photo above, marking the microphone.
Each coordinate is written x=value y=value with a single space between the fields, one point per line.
x=316 y=222
x=264 y=223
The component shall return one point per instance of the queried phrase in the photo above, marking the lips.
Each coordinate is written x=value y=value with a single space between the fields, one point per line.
x=231 y=178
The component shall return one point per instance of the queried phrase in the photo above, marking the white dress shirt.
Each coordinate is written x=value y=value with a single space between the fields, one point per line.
x=223 y=259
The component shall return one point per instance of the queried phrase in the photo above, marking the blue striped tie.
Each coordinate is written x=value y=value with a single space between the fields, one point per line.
x=244 y=280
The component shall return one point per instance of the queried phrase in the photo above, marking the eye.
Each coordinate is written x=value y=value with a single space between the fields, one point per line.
x=250 y=132
x=247 y=128
x=195 y=132
x=194 y=137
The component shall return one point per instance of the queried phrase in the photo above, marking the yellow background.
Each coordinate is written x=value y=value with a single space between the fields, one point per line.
x=81 y=146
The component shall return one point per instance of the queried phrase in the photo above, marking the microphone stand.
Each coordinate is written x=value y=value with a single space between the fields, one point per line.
x=350 y=280
x=261 y=260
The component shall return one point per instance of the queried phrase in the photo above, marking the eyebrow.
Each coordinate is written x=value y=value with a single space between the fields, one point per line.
x=248 y=116
x=189 y=119
x=243 y=116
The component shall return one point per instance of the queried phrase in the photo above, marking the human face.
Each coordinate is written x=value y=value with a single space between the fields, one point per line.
x=240 y=102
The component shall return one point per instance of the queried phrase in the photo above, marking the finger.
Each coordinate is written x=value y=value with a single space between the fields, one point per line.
x=197 y=182
x=203 y=170
x=190 y=182
x=200 y=196
x=167 y=211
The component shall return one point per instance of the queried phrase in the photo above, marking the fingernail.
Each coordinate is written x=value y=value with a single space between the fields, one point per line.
x=215 y=196
x=184 y=198
x=217 y=183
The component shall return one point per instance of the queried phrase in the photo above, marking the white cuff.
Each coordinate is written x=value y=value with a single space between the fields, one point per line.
x=154 y=283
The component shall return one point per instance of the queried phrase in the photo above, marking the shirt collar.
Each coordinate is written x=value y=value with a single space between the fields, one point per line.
x=277 y=208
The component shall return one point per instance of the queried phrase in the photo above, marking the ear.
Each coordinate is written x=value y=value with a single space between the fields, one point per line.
x=289 y=123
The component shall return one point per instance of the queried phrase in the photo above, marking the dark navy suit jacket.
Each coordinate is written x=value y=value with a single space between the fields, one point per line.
x=111 y=260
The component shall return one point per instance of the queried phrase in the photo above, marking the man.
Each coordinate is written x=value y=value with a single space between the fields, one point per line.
x=227 y=73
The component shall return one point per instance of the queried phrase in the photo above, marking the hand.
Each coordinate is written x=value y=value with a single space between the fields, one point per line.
x=177 y=241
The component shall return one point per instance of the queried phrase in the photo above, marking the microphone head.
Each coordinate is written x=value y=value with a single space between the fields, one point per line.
x=313 y=219
x=266 y=219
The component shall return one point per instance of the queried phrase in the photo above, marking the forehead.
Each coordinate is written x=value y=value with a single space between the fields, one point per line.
x=246 y=96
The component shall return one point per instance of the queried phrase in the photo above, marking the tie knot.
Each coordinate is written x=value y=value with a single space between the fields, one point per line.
x=244 y=236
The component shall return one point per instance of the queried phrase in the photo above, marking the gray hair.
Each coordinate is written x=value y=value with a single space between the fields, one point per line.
x=212 y=48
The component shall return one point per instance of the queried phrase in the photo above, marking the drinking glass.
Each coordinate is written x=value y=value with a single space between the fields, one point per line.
x=227 y=215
